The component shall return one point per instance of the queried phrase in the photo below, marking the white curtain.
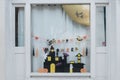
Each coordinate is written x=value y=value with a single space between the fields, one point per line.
x=21 y=27
x=100 y=26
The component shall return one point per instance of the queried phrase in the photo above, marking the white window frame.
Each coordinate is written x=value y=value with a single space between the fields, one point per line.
x=27 y=49
x=17 y=49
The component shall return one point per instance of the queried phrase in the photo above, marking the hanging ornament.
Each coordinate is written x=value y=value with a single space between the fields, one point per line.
x=53 y=41
x=62 y=50
x=83 y=52
x=46 y=50
x=71 y=40
x=86 y=51
x=79 y=38
x=85 y=37
x=37 y=52
x=72 y=49
x=36 y=37
x=67 y=40
x=76 y=49
x=63 y=40
x=43 y=49
x=58 y=41
x=67 y=50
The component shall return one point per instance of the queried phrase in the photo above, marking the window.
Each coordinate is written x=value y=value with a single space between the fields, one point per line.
x=101 y=26
x=60 y=38
x=19 y=26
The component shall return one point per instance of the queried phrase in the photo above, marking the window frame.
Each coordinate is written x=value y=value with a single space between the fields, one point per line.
x=27 y=48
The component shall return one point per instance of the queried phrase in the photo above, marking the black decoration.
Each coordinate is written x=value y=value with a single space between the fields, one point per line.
x=86 y=51
x=57 y=51
x=33 y=52
x=46 y=50
x=67 y=40
x=72 y=49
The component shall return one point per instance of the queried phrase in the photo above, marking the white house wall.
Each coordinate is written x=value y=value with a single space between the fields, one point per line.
x=2 y=40
x=16 y=62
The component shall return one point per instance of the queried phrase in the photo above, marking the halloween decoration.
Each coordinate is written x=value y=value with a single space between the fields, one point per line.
x=43 y=70
x=78 y=13
x=37 y=53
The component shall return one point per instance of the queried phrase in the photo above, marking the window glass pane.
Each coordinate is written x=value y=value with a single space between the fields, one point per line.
x=19 y=26
x=100 y=26
x=60 y=38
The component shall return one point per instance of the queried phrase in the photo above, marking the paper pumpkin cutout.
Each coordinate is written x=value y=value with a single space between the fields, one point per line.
x=78 y=13
x=43 y=70
x=83 y=70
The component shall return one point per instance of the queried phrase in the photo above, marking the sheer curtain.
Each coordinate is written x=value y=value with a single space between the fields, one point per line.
x=19 y=27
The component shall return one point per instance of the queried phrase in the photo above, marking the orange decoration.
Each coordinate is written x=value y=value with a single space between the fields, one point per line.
x=83 y=70
x=43 y=70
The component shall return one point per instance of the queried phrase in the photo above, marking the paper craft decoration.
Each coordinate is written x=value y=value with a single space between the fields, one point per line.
x=37 y=53
x=43 y=70
x=78 y=13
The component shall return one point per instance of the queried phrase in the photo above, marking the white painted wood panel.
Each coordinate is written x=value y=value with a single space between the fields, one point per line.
x=60 y=78
x=57 y=1
x=2 y=40
x=101 y=65
x=118 y=37
x=20 y=66
x=20 y=58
